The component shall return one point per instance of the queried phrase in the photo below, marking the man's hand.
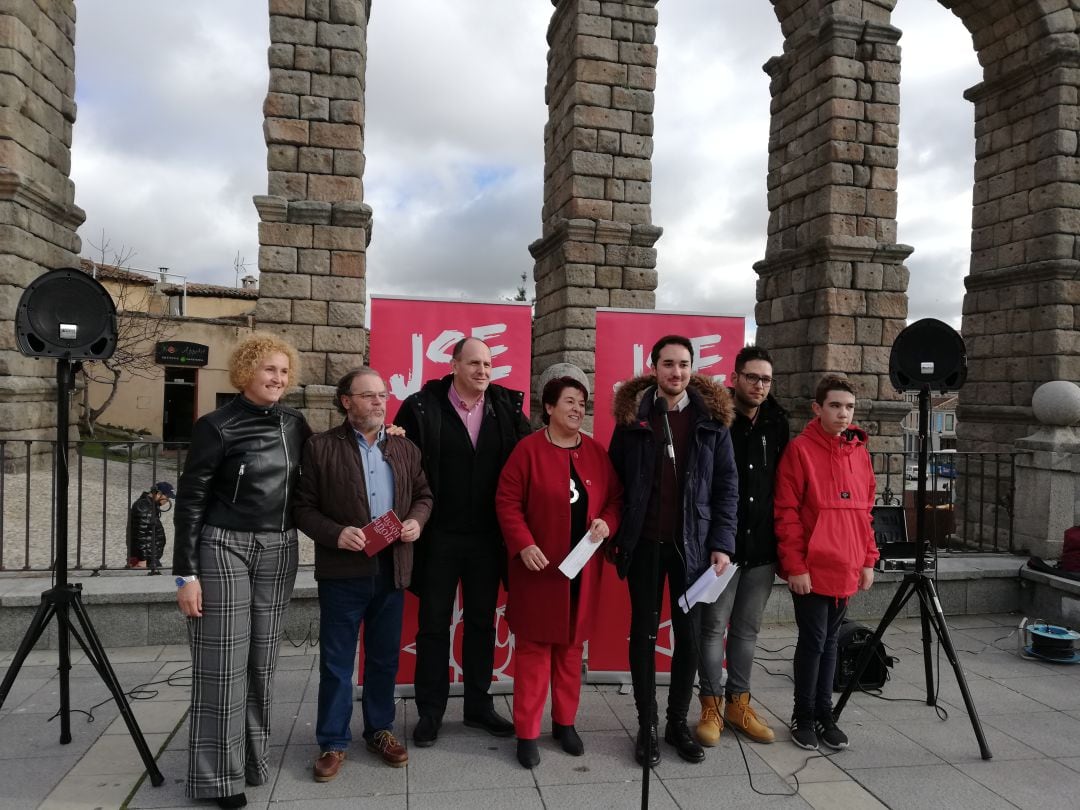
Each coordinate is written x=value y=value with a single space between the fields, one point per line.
x=799 y=584
x=351 y=539
x=189 y=598
x=598 y=531
x=394 y=430
x=534 y=558
x=719 y=561
x=866 y=579
x=410 y=530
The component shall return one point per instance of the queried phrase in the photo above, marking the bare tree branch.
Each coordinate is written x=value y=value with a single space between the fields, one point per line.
x=142 y=321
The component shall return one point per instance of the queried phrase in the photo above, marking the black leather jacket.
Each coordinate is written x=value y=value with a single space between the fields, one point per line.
x=145 y=534
x=241 y=473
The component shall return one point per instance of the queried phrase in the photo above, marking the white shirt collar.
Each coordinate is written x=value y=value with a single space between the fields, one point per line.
x=678 y=406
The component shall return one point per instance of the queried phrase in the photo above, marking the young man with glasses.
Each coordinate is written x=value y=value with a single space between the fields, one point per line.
x=758 y=437
x=352 y=474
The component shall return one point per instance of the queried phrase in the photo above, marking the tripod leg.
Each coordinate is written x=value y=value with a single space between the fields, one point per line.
x=903 y=593
x=932 y=612
x=37 y=626
x=96 y=653
x=63 y=628
x=928 y=661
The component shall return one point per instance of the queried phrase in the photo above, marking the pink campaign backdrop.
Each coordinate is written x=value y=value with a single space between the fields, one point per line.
x=411 y=340
x=624 y=339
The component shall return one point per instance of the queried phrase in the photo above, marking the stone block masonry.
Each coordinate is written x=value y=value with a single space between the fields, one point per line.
x=598 y=237
x=38 y=214
x=314 y=227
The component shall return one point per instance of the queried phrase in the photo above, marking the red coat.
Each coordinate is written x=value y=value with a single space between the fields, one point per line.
x=533 y=506
x=824 y=494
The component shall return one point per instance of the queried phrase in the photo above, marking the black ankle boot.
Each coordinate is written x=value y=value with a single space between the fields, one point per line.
x=236 y=800
x=568 y=736
x=528 y=753
x=653 y=745
x=678 y=735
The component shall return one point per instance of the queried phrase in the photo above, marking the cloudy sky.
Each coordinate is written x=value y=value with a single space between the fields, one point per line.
x=168 y=147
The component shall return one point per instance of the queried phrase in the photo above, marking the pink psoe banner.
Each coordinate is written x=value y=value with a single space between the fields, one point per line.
x=412 y=340
x=625 y=337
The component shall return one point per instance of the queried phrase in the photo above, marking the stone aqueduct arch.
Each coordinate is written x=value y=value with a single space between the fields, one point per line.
x=832 y=284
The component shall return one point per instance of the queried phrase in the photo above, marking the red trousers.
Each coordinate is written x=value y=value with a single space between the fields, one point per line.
x=537 y=664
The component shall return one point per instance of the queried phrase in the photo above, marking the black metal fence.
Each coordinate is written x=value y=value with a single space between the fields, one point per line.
x=104 y=479
x=969 y=499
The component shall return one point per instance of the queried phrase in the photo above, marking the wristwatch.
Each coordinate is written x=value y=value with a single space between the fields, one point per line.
x=182 y=581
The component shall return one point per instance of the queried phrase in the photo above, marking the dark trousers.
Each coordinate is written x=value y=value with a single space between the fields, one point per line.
x=343 y=605
x=818 y=618
x=645 y=587
x=448 y=559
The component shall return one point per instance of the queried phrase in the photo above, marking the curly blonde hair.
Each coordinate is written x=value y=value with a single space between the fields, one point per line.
x=255 y=348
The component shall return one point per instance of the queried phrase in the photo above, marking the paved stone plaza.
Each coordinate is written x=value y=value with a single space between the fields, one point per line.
x=902 y=754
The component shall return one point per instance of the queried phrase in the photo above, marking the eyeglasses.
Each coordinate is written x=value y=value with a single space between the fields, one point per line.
x=371 y=396
x=754 y=379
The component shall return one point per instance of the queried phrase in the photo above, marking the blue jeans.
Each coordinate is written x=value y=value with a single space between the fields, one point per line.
x=343 y=605
x=739 y=611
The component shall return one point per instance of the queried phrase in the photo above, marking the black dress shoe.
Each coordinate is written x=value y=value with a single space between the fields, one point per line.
x=568 y=736
x=236 y=800
x=528 y=753
x=678 y=735
x=426 y=731
x=654 y=747
x=491 y=722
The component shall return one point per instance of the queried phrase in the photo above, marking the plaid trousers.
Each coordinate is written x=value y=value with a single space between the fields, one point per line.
x=247 y=580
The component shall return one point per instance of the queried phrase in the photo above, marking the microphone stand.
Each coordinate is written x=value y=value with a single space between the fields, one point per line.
x=645 y=723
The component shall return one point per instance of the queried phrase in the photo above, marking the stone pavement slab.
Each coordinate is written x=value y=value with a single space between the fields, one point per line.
x=938 y=785
x=903 y=755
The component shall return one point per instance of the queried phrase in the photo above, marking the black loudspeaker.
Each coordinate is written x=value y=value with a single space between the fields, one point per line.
x=66 y=314
x=928 y=353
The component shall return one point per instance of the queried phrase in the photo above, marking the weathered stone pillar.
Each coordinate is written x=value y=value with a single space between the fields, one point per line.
x=315 y=228
x=38 y=215
x=597 y=244
x=1048 y=472
x=1023 y=292
x=832 y=288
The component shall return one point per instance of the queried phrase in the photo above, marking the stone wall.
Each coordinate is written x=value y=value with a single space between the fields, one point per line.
x=832 y=288
x=315 y=228
x=38 y=215
x=597 y=244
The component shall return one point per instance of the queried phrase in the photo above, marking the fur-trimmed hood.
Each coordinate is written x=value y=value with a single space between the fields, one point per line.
x=704 y=391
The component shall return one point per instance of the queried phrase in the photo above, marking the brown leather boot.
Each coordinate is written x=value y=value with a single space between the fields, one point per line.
x=712 y=722
x=741 y=717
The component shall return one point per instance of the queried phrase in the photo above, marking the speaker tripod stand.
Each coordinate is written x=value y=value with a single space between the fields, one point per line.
x=64 y=602
x=920 y=584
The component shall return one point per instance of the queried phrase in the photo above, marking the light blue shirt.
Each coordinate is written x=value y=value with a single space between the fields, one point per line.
x=378 y=477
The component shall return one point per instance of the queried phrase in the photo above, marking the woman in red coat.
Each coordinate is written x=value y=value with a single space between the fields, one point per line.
x=557 y=485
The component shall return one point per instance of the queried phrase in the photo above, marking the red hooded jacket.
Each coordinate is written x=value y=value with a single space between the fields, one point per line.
x=824 y=494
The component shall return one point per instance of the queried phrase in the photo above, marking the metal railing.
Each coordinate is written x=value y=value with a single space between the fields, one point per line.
x=970 y=498
x=105 y=477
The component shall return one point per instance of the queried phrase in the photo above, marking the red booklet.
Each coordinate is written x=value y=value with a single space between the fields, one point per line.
x=381 y=532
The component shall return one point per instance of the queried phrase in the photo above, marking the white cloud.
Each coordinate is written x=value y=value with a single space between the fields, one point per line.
x=168 y=147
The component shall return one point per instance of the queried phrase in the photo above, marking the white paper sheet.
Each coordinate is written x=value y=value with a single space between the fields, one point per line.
x=578 y=556
x=708 y=587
